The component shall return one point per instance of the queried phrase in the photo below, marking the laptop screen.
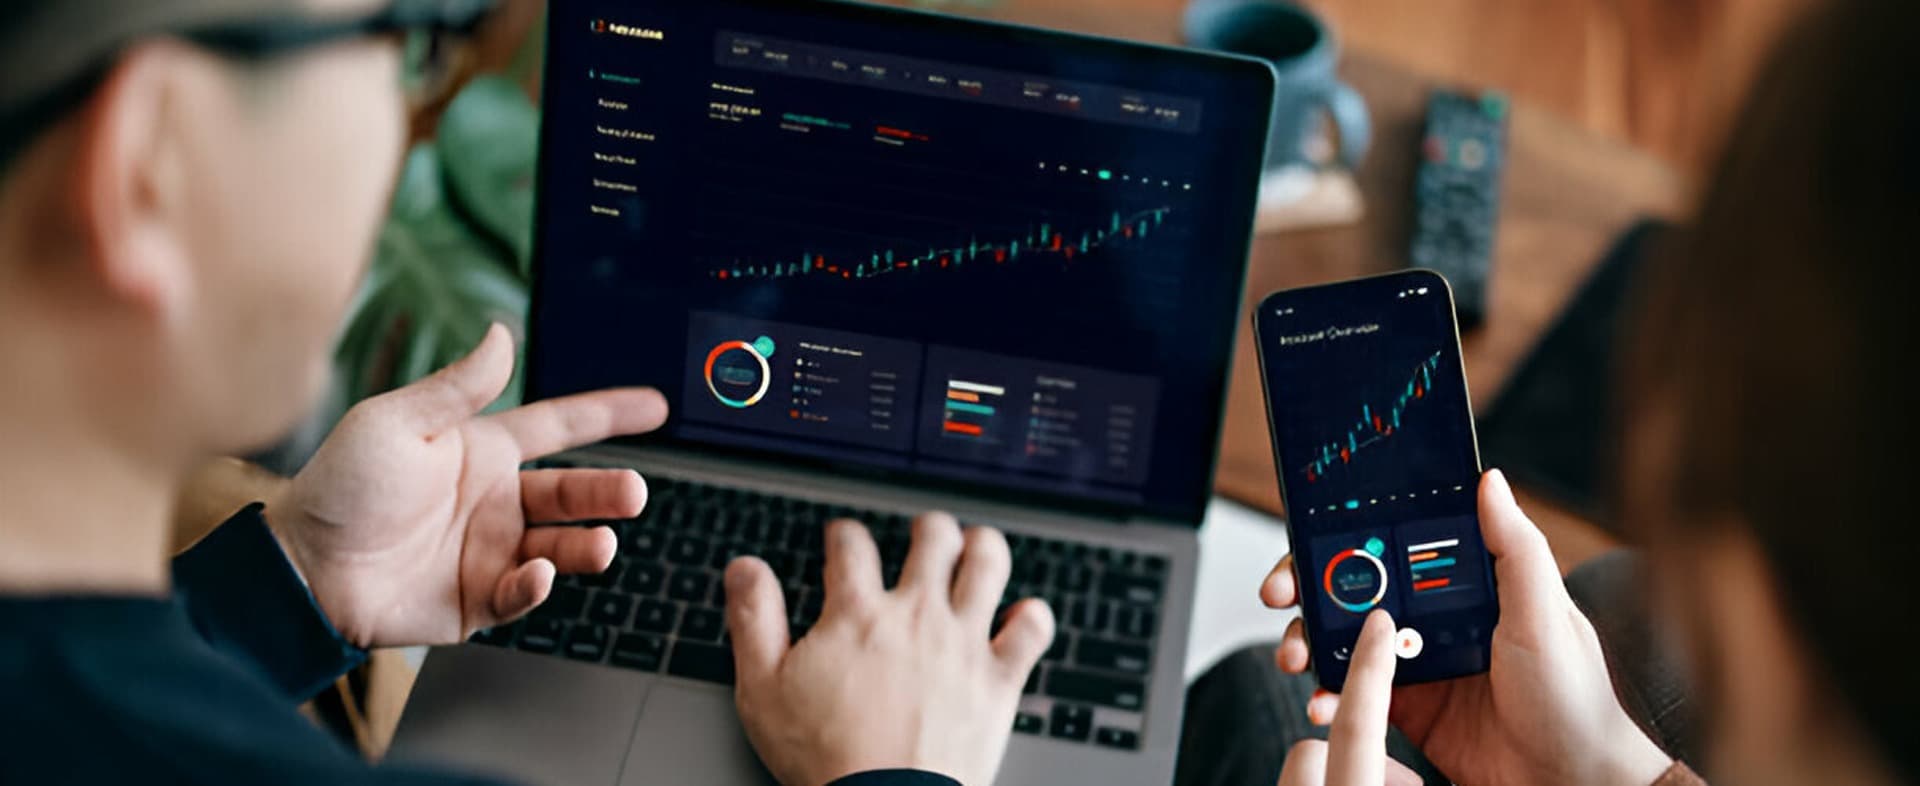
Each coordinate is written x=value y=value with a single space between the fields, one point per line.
x=934 y=250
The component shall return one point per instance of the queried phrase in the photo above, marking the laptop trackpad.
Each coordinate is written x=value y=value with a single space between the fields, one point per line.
x=690 y=736
x=536 y=719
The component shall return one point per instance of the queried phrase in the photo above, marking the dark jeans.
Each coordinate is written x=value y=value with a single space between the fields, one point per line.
x=1244 y=714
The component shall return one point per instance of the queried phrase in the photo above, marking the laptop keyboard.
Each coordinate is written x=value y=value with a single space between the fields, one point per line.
x=659 y=608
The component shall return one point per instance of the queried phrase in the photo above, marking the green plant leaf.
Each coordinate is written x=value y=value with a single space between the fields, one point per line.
x=434 y=287
x=489 y=148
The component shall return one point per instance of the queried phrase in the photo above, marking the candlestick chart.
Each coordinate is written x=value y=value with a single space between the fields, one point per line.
x=1374 y=425
x=1043 y=242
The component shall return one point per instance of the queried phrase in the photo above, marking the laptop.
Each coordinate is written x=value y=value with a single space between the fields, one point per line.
x=880 y=261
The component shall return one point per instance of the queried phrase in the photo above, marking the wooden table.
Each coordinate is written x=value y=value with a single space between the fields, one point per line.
x=1568 y=194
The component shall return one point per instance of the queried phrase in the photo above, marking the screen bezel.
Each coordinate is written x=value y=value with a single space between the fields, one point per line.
x=1256 y=78
x=1331 y=671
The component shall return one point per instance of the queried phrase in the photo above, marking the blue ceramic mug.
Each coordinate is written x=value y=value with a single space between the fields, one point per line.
x=1306 y=57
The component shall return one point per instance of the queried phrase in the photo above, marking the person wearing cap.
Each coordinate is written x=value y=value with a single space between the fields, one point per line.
x=189 y=191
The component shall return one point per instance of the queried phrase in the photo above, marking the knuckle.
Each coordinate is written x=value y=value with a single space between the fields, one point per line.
x=859 y=606
x=567 y=497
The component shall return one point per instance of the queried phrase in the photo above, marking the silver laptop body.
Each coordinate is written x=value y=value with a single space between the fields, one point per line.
x=543 y=707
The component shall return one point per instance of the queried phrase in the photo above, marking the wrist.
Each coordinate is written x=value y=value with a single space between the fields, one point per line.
x=294 y=531
x=282 y=520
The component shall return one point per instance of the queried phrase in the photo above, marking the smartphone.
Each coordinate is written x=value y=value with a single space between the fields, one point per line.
x=1374 y=446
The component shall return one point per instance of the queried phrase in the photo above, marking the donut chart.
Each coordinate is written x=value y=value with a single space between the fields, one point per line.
x=1356 y=580
x=735 y=374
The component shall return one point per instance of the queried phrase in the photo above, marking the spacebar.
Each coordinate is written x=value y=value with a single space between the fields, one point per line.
x=704 y=662
x=1096 y=689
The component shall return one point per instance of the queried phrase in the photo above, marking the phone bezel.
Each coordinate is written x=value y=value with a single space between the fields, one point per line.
x=1331 y=676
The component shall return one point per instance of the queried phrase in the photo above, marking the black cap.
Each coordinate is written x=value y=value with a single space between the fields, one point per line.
x=45 y=44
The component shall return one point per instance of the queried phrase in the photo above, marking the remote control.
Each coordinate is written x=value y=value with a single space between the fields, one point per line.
x=1456 y=194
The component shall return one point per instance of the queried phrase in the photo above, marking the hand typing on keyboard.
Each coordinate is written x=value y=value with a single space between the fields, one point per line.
x=907 y=678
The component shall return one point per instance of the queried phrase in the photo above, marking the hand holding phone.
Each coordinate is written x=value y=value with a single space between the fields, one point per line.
x=1544 y=713
x=1374 y=445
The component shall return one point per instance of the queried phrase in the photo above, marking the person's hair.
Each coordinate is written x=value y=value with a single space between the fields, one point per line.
x=1775 y=348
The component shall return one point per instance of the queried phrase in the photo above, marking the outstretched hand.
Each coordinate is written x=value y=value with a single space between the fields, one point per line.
x=413 y=522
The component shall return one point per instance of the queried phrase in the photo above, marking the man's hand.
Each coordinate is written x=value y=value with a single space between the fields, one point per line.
x=411 y=522
x=1544 y=712
x=906 y=679
x=1355 y=751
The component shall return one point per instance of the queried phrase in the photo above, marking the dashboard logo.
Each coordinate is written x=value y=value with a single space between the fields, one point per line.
x=629 y=31
x=737 y=372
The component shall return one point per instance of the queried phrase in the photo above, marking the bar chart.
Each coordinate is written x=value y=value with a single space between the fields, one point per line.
x=1433 y=565
x=970 y=410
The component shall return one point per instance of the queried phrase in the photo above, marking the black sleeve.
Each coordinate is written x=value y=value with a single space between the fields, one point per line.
x=895 y=778
x=246 y=599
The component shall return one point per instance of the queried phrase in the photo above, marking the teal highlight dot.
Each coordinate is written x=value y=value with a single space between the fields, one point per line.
x=1376 y=547
x=1106 y=174
x=1494 y=105
x=764 y=346
x=1353 y=504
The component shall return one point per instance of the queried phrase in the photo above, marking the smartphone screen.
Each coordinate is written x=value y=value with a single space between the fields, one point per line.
x=1374 y=446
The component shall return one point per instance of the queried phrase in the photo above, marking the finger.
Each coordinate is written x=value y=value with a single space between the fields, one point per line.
x=1529 y=579
x=1401 y=775
x=852 y=572
x=1306 y=764
x=985 y=564
x=1023 y=638
x=547 y=427
x=929 y=565
x=756 y=618
x=1322 y=707
x=1415 y=707
x=1357 y=744
x=453 y=394
x=560 y=495
x=571 y=549
x=520 y=590
x=1278 y=591
x=1292 y=656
